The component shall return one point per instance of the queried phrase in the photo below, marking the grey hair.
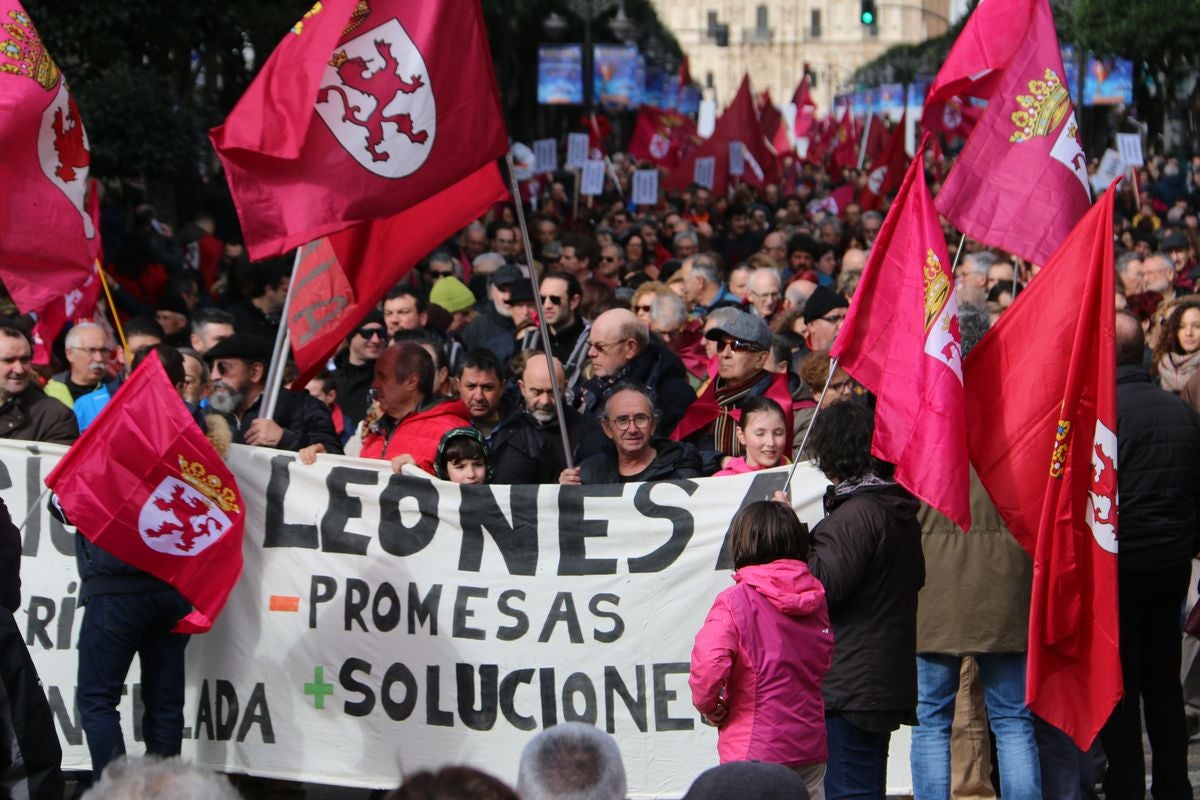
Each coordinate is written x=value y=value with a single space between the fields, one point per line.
x=795 y=295
x=668 y=311
x=707 y=267
x=571 y=761
x=443 y=257
x=77 y=330
x=152 y=777
x=874 y=216
x=768 y=270
x=637 y=330
x=487 y=263
x=1124 y=260
x=973 y=323
x=686 y=236
x=979 y=262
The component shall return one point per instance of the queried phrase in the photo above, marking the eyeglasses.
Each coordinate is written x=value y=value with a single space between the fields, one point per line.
x=621 y=423
x=738 y=346
x=93 y=351
x=833 y=319
x=766 y=295
x=646 y=309
x=601 y=347
x=555 y=300
x=371 y=333
x=225 y=367
x=437 y=273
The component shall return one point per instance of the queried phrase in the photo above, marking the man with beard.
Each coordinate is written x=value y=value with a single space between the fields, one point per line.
x=238 y=378
x=527 y=445
x=496 y=319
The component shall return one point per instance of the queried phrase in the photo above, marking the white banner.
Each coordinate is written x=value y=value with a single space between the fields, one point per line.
x=592 y=179
x=1130 y=147
x=645 y=187
x=577 y=149
x=704 y=171
x=388 y=623
x=545 y=152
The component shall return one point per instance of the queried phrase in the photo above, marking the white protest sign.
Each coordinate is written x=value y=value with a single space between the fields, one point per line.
x=577 y=150
x=1130 y=147
x=592 y=182
x=645 y=187
x=706 y=119
x=545 y=153
x=737 y=159
x=705 y=171
x=1109 y=170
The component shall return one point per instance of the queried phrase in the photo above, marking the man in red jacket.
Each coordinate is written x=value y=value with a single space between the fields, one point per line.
x=410 y=421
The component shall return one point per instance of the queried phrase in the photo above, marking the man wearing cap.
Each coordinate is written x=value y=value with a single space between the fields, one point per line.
x=496 y=317
x=743 y=348
x=174 y=316
x=823 y=314
x=238 y=377
x=355 y=367
x=454 y=296
x=621 y=350
x=1179 y=249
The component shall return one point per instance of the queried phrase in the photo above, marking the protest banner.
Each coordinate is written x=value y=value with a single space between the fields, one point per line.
x=577 y=150
x=592 y=182
x=386 y=623
x=545 y=153
x=645 y=187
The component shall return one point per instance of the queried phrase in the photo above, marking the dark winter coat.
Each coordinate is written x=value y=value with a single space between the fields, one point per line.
x=524 y=450
x=674 y=461
x=33 y=416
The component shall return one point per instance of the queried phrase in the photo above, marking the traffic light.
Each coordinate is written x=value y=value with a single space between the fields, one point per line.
x=868 y=15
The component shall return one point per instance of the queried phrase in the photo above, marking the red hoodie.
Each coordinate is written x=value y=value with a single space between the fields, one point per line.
x=418 y=434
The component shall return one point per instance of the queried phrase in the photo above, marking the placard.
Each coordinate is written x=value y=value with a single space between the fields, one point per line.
x=545 y=154
x=705 y=171
x=577 y=149
x=645 y=187
x=592 y=183
x=737 y=159
x=1130 y=147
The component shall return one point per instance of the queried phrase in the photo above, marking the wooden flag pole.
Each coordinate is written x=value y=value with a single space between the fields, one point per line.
x=116 y=318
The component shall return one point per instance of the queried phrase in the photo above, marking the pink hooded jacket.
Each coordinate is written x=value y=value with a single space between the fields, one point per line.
x=767 y=643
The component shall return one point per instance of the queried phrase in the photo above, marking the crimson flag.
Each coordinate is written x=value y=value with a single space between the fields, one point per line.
x=77 y=305
x=49 y=230
x=951 y=117
x=739 y=123
x=843 y=145
x=877 y=138
x=361 y=112
x=1021 y=181
x=1045 y=446
x=145 y=484
x=900 y=339
x=661 y=136
x=886 y=172
x=344 y=275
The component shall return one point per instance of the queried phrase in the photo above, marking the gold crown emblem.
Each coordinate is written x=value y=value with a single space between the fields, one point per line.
x=937 y=288
x=210 y=486
x=1058 y=457
x=1042 y=109
x=24 y=52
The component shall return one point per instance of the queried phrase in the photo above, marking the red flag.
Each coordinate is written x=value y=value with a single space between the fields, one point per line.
x=843 y=145
x=77 y=305
x=1021 y=181
x=343 y=276
x=951 y=117
x=900 y=339
x=705 y=409
x=49 y=232
x=145 y=484
x=739 y=123
x=598 y=130
x=886 y=172
x=661 y=136
x=359 y=114
x=1046 y=448
x=878 y=137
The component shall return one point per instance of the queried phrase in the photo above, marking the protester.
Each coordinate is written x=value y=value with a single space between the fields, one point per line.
x=462 y=457
x=153 y=778
x=496 y=317
x=453 y=783
x=762 y=432
x=758 y=662
x=26 y=412
x=259 y=314
x=748 y=780
x=1177 y=353
x=89 y=349
x=355 y=367
x=404 y=309
x=570 y=761
x=209 y=326
x=481 y=389
x=527 y=446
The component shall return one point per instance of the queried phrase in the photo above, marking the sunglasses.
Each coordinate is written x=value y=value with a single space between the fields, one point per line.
x=555 y=300
x=833 y=319
x=738 y=346
x=371 y=333
x=646 y=309
x=437 y=273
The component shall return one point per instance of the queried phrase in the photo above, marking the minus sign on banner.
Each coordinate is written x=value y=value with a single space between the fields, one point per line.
x=284 y=602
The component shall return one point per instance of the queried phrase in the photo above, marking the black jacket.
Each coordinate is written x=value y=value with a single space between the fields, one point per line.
x=34 y=416
x=353 y=382
x=10 y=561
x=867 y=555
x=303 y=418
x=31 y=757
x=674 y=461
x=527 y=451
x=657 y=369
x=1158 y=474
x=487 y=326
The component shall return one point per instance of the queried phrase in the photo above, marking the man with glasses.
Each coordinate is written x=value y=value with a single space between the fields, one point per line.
x=634 y=452
x=1158 y=275
x=612 y=264
x=355 y=367
x=238 y=377
x=823 y=314
x=621 y=350
x=25 y=410
x=703 y=288
x=743 y=350
x=89 y=350
x=561 y=295
x=765 y=293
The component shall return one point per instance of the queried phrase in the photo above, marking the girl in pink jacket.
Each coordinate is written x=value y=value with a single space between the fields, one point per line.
x=765 y=646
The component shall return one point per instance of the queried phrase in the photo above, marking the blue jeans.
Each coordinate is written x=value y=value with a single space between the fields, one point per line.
x=857 y=766
x=115 y=627
x=1003 y=677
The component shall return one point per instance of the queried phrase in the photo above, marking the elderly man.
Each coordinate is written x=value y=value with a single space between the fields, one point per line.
x=743 y=349
x=238 y=377
x=496 y=318
x=571 y=760
x=686 y=243
x=669 y=320
x=872 y=221
x=412 y=420
x=25 y=410
x=88 y=351
x=1158 y=275
x=527 y=445
x=621 y=350
x=702 y=286
x=971 y=277
x=634 y=453
x=766 y=293
x=1129 y=271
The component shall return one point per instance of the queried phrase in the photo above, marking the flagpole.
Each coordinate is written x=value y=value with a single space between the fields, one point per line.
x=33 y=508
x=833 y=364
x=116 y=318
x=862 y=148
x=541 y=318
x=279 y=353
x=957 y=253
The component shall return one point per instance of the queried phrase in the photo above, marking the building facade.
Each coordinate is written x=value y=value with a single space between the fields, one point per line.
x=771 y=40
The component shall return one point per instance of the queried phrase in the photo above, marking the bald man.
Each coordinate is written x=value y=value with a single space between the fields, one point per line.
x=527 y=445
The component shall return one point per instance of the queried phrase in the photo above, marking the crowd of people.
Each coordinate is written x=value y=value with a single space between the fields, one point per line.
x=684 y=340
